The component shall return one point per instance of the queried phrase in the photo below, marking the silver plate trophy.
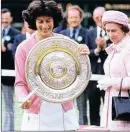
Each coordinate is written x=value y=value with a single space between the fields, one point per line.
x=56 y=71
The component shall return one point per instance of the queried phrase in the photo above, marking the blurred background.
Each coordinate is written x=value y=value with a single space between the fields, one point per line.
x=17 y=6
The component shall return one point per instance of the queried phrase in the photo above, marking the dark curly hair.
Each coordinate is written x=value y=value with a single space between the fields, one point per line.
x=39 y=8
x=124 y=28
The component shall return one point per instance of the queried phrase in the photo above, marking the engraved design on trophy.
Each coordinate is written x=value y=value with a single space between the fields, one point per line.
x=55 y=68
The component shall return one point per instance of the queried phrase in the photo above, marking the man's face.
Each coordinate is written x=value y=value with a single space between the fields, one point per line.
x=98 y=18
x=6 y=19
x=74 y=19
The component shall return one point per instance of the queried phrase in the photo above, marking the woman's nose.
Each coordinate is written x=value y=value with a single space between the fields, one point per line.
x=44 y=25
x=110 y=34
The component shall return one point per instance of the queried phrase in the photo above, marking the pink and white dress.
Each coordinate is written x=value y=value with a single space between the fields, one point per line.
x=42 y=115
x=117 y=66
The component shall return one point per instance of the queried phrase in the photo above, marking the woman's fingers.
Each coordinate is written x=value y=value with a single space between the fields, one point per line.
x=25 y=105
x=83 y=49
x=84 y=52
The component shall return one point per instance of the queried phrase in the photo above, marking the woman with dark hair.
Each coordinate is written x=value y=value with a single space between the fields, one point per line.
x=40 y=115
x=116 y=66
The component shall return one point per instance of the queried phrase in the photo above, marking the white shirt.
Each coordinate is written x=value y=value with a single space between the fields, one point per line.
x=50 y=118
x=28 y=35
x=98 y=32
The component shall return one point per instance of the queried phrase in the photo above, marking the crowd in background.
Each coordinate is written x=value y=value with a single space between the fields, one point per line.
x=96 y=39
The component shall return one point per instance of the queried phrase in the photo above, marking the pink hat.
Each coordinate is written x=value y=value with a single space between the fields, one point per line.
x=115 y=16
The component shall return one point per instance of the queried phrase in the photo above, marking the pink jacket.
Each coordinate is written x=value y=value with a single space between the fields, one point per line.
x=117 y=65
x=21 y=87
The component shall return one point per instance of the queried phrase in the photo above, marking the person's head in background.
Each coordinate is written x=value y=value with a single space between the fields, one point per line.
x=97 y=15
x=26 y=28
x=116 y=25
x=63 y=23
x=74 y=16
x=6 y=17
x=68 y=6
x=43 y=16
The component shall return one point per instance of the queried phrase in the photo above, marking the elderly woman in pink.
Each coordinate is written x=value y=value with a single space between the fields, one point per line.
x=40 y=115
x=116 y=66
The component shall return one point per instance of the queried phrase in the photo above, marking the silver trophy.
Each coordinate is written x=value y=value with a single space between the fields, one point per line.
x=56 y=71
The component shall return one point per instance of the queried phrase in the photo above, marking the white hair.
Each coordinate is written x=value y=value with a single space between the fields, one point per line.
x=98 y=10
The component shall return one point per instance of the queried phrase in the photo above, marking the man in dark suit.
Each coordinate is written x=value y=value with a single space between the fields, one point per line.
x=75 y=31
x=7 y=62
x=20 y=37
x=97 y=42
x=62 y=26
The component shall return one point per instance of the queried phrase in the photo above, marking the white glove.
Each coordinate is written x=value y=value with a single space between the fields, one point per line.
x=105 y=83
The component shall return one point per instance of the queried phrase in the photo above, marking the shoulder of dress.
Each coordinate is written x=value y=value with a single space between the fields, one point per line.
x=109 y=49
x=25 y=43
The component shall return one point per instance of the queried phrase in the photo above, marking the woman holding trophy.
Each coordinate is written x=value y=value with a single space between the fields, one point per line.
x=40 y=115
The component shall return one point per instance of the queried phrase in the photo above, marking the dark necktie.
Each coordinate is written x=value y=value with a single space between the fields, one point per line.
x=101 y=33
x=3 y=33
x=74 y=32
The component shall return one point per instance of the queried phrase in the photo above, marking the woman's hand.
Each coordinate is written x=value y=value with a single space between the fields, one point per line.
x=83 y=49
x=26 y=104
x=105 y=83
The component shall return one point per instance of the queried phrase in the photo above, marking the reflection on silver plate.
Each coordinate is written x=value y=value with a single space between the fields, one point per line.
x=55 y=67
